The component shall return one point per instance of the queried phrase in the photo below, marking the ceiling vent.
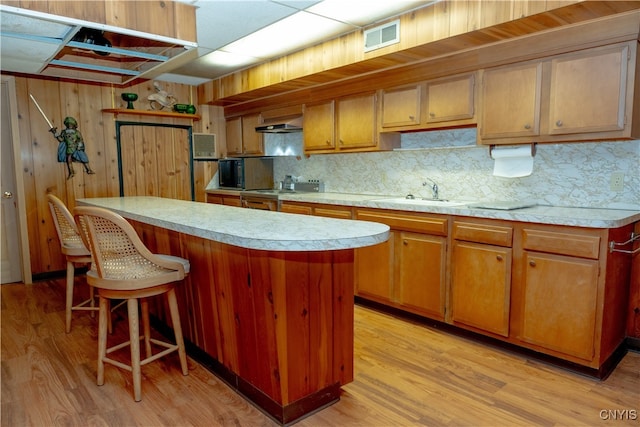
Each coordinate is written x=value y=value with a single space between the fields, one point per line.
x=384 y=35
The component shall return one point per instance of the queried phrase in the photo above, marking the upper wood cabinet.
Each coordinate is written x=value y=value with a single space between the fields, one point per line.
x=356 y=121
x=319 y=126
x=511 y=102
x=344 y=125
x=242 y=137
x=401 y=106
x=451 y=99
x=439 y=103
x=588 y=91
x=581 y=96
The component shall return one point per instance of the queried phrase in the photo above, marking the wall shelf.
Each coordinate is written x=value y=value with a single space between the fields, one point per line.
x=156 y=113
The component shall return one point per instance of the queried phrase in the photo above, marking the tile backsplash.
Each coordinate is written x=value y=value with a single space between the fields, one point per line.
x=572 y=174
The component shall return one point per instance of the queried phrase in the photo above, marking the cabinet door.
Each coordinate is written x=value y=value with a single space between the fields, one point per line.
x=232 y=201
x=251 y=140
x=559 y=303
x=234 y=135
x=374 y=270
x=318 y=124
x=588 y=91
x=511 y=101
x=295 y=209
x=450 y=99
x=218 y=200
x=356 y=125
x=481 y=286
x=421 y=273
x=401 y=107
x=333 y=212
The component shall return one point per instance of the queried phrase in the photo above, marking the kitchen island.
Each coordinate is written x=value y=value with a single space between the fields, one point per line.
x=268 y=304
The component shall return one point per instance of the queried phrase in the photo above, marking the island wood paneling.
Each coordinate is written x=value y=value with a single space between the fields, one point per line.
x=43 y=174
x=279 y=323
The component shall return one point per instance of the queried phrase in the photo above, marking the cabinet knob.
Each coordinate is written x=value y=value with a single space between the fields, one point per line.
x=527 y=126
x=499 y=257
x=532 y=263
x=328 y=142
x=341 y=142
x=404 y=242
x=432 y=114
x=559 y=123
x=411 y=117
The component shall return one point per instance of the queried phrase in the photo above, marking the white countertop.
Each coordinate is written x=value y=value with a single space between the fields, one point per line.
x=247 y=228
x=570 y=216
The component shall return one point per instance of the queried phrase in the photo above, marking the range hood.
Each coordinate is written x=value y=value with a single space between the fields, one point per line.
x=290 y=125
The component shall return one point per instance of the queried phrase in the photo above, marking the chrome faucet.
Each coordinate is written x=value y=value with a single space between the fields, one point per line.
x=434 y=188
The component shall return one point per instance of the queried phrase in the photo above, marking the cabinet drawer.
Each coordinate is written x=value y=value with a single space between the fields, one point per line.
x=415 y=223
x=561 y=243
x=483 y=233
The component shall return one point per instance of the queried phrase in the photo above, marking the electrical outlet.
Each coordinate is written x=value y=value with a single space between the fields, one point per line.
x=617 y=181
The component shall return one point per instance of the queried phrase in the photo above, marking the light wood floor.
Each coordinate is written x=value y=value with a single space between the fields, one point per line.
x=406 y=375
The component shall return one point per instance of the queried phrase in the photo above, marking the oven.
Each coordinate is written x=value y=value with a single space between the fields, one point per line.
x=266 y=200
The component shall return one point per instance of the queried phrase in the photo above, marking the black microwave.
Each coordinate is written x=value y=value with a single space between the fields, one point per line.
x=247 y=173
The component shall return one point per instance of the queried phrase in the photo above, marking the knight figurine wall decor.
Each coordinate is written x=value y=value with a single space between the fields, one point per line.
x=71 y=146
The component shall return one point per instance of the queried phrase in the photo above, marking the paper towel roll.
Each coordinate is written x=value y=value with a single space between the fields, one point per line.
x=512 y=162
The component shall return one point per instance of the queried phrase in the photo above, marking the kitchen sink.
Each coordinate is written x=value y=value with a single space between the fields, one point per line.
x=422 y=202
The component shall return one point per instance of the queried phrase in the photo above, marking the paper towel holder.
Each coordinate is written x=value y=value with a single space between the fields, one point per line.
x=533 y=148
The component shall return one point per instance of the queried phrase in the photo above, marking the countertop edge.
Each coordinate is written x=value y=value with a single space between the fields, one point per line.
x=553 y=215
x=310 y=233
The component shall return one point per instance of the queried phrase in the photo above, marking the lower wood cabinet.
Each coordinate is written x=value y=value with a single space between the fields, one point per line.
x=559 y=290
x=481 y=286
x=554 y=289
x=223 y=199
x=409 y=270
x=329 y=211
x=481 y=276
x=559 y=303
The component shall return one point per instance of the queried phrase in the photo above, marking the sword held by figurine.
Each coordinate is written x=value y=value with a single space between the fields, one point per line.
x=71 y=143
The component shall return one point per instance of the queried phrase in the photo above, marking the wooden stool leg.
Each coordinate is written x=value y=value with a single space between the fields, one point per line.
x=110 y=322
x=145 y=326
x=69 y=302
x=93 y=301
x=103 y=318
x=177 y=329
x=134 y=336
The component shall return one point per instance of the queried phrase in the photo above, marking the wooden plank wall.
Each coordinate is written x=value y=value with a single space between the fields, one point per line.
x=43 y=174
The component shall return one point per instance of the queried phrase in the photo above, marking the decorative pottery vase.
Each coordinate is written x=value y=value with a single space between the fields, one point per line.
x=129 y=98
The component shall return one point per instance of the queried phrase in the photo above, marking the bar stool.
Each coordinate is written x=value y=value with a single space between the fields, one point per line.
x=75 y=252
x=124 y=268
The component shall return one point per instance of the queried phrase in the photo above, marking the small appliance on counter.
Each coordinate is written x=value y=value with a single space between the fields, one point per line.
x=270 y=200
x=248 y=173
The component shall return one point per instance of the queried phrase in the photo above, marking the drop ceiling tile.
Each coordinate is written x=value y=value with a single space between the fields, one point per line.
x=222 y=22
x=19 y=24
x=23 y=49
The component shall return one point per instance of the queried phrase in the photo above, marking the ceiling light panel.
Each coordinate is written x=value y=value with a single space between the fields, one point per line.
x=363 y=12
x=219 y=23
x=287 y=35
